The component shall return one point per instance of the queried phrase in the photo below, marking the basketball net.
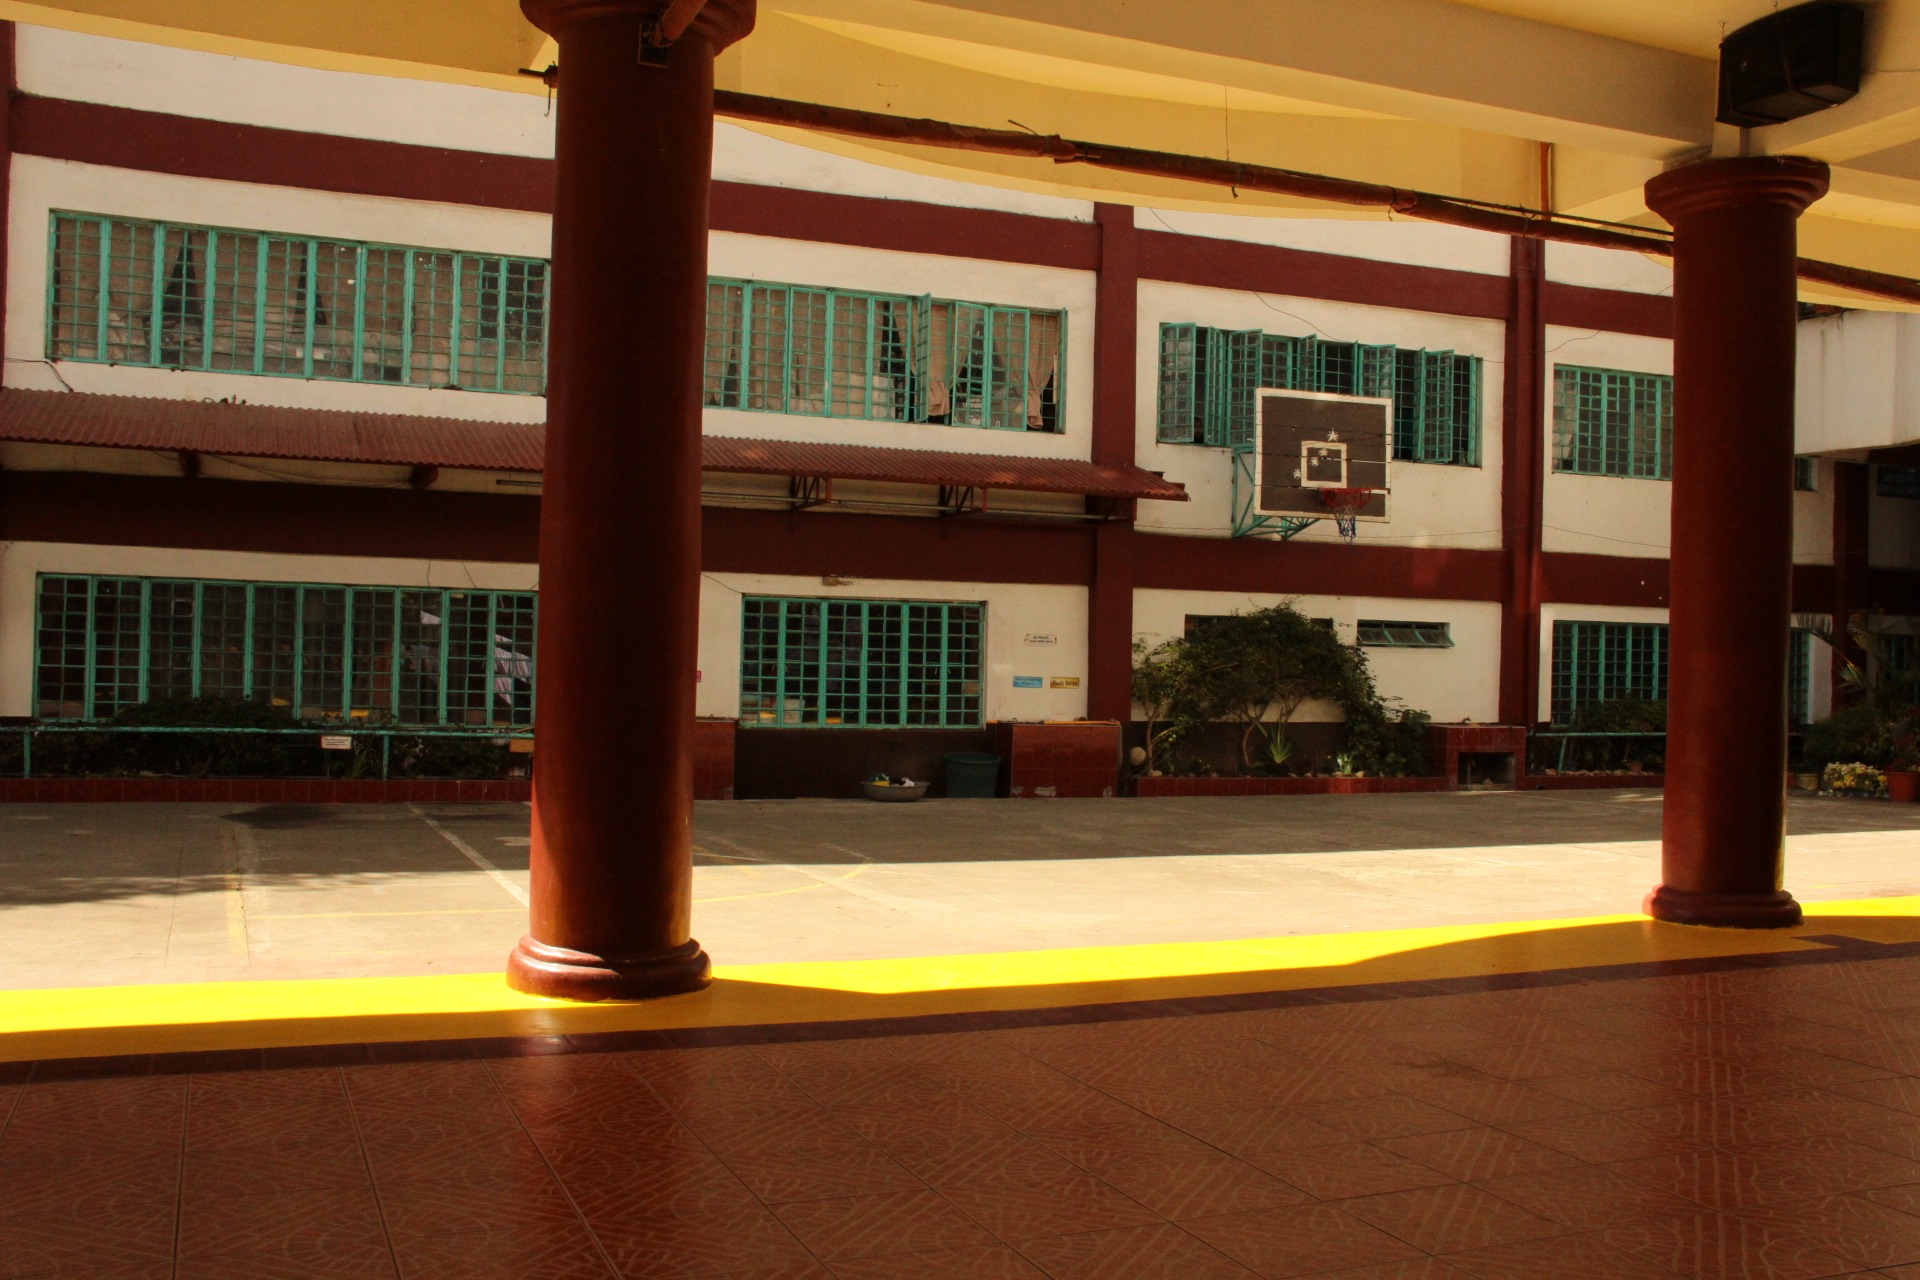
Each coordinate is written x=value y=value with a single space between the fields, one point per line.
x=1345 y=505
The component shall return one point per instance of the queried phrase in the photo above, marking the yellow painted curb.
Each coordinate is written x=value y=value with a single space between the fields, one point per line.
x=89 y=1021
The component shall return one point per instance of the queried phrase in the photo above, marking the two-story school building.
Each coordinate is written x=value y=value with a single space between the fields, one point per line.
x=271 y=429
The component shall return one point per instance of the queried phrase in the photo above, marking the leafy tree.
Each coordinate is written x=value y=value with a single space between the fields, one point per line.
x=1256 y=670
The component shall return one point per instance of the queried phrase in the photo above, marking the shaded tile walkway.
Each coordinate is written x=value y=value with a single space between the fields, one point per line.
x=1753 y=1117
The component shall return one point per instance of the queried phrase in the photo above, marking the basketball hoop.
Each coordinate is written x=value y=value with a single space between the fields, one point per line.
x=1345 y=505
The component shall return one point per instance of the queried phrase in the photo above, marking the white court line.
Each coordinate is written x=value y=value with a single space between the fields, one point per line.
x=473 y=856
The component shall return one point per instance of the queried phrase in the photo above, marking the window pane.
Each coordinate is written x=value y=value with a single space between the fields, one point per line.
x=60 y=680
x=170 y=642
x=847 y=663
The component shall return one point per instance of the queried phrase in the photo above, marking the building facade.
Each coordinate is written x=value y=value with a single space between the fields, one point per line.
x=275 y=367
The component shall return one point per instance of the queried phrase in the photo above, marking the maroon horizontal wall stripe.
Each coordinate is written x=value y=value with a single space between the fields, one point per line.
x=1607 y=310
x=1232 y=264
x=1320 y=568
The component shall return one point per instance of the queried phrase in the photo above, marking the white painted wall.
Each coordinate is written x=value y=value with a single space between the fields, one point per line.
x=61 y=64
x=1603 y=515
x=1440 y=506
x=1608 y=269
x=1858 y=384
x=22 y=562
x=1420 y=244
x=1460 y=683
x=1014 y=612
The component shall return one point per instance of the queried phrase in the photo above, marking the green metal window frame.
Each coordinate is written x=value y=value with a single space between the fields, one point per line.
x=1208 y=378
x=1800 y=677
x=179 y=296
x=1806 y=478
x=1376 y=633
x=1611 y=422
x=845 y=663
x=1595 y=662
x=1896 y=482
x=325 y=651
x=845 y=353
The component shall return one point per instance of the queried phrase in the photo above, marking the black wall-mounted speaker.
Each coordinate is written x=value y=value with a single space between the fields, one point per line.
x=1790 y=64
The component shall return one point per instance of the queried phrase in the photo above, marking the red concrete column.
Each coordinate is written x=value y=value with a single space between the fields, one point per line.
x=1116 y=346
x=1732 y=560
x=620 y=510
x=1523 y=483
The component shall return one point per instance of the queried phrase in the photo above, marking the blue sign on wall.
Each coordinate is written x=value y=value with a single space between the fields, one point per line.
x=1027 y=682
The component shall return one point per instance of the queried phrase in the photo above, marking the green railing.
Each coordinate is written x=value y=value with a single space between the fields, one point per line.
x=386 y=735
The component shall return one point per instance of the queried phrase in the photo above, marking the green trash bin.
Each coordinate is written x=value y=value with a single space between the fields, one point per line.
x=972 y=774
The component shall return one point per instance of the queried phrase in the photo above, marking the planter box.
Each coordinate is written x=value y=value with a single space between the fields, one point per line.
x=266 y=790
x=1159 y=788
x=713 y=758
x=1494 y=753
x=1075 y=760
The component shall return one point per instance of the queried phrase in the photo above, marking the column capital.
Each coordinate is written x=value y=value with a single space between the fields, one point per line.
x=721 y=22
x=1792 y=181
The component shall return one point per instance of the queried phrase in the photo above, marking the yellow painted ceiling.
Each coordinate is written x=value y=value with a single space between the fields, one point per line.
x=1450 y=96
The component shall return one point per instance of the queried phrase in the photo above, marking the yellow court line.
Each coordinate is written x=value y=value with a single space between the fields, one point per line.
x=778 y=893
x=86 y=1021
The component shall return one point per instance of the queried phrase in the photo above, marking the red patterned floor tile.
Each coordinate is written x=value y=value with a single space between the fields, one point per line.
x=1726 y=1248
x=137 y=1232
x=1480 y=1152
x=556 y=1251
x=1605 y=1137
x=1585 y=1198
x=1388 y=1116
x=305 y=1223
x=1452 y=1218
x=418 y=1211
x=990 y=1262
x=1047 y=1204
x=744 y=1241
x=333 y=1260
x=1212 y=1184
x=1579 y=1257
x=1249 y=1132
x=1159 y=1251
x=890 y=1222
x=819 y=1170
x=1410 y=1269
x=1853 y=1227
x=405 y=1158
x=1351 y=1169
x=1611 y=1090
x=1299 y=1240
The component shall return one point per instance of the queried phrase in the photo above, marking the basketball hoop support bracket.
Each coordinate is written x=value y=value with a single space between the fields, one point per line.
x=1249 y=523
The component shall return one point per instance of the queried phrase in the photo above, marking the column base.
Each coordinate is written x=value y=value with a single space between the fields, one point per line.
x=542 y=970
x=1775 y=910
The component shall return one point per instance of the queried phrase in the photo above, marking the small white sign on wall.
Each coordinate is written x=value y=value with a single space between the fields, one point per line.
x=336 y=742
x=1042 y=639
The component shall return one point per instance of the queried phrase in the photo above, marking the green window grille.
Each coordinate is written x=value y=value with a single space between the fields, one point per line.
x=1805 y=478
x=1596 y=662
x=1377 y=633
x=1897 y=482
x=860 y=663
x=170 y=296
x=401 y=654
x=1208 y=378
x=1800 y=677
x=1610 y=423
x=836 y=353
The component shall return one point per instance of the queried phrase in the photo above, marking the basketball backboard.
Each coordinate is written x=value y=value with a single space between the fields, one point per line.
x=1309 y=443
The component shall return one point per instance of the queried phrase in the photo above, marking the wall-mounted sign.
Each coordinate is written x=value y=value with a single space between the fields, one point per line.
x=1027 y=682
x=336 y=742
x=1064 y=682
x=1043 y=639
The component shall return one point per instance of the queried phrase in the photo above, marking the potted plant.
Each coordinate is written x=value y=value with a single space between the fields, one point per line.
x=1903 y=758
x=1852 y=778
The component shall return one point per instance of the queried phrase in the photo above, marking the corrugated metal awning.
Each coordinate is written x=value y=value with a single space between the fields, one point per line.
x=325 y=435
